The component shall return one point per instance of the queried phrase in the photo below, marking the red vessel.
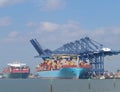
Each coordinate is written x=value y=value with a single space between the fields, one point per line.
x=16 y=70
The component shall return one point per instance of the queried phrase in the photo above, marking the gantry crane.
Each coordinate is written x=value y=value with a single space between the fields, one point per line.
x=86 y=48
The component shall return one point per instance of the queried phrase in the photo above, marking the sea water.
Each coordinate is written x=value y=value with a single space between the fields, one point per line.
x=59 y=85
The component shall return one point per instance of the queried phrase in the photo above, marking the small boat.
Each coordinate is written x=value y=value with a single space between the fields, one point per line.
x=63 y=66
x=16 y=70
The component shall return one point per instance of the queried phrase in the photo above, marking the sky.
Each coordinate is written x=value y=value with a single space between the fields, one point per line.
x=54 y=23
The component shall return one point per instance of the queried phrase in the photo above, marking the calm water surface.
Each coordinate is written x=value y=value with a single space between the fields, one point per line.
x=59 y=85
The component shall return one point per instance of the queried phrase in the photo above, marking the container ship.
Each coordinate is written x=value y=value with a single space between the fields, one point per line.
x=16 y=70
x=63 y=66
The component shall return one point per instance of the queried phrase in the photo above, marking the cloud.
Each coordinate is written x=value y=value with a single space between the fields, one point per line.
x=9 y=2
x=48 y=26
x=13 y=34
x=108 y=36
x=51 y=33
x=5 y=21
x=16 y=37
x=54 y=35
x=51 y=5
x=52 y=27
x=31 y=24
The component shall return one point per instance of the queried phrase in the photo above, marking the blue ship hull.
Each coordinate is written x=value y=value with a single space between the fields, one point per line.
x=63 y=73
